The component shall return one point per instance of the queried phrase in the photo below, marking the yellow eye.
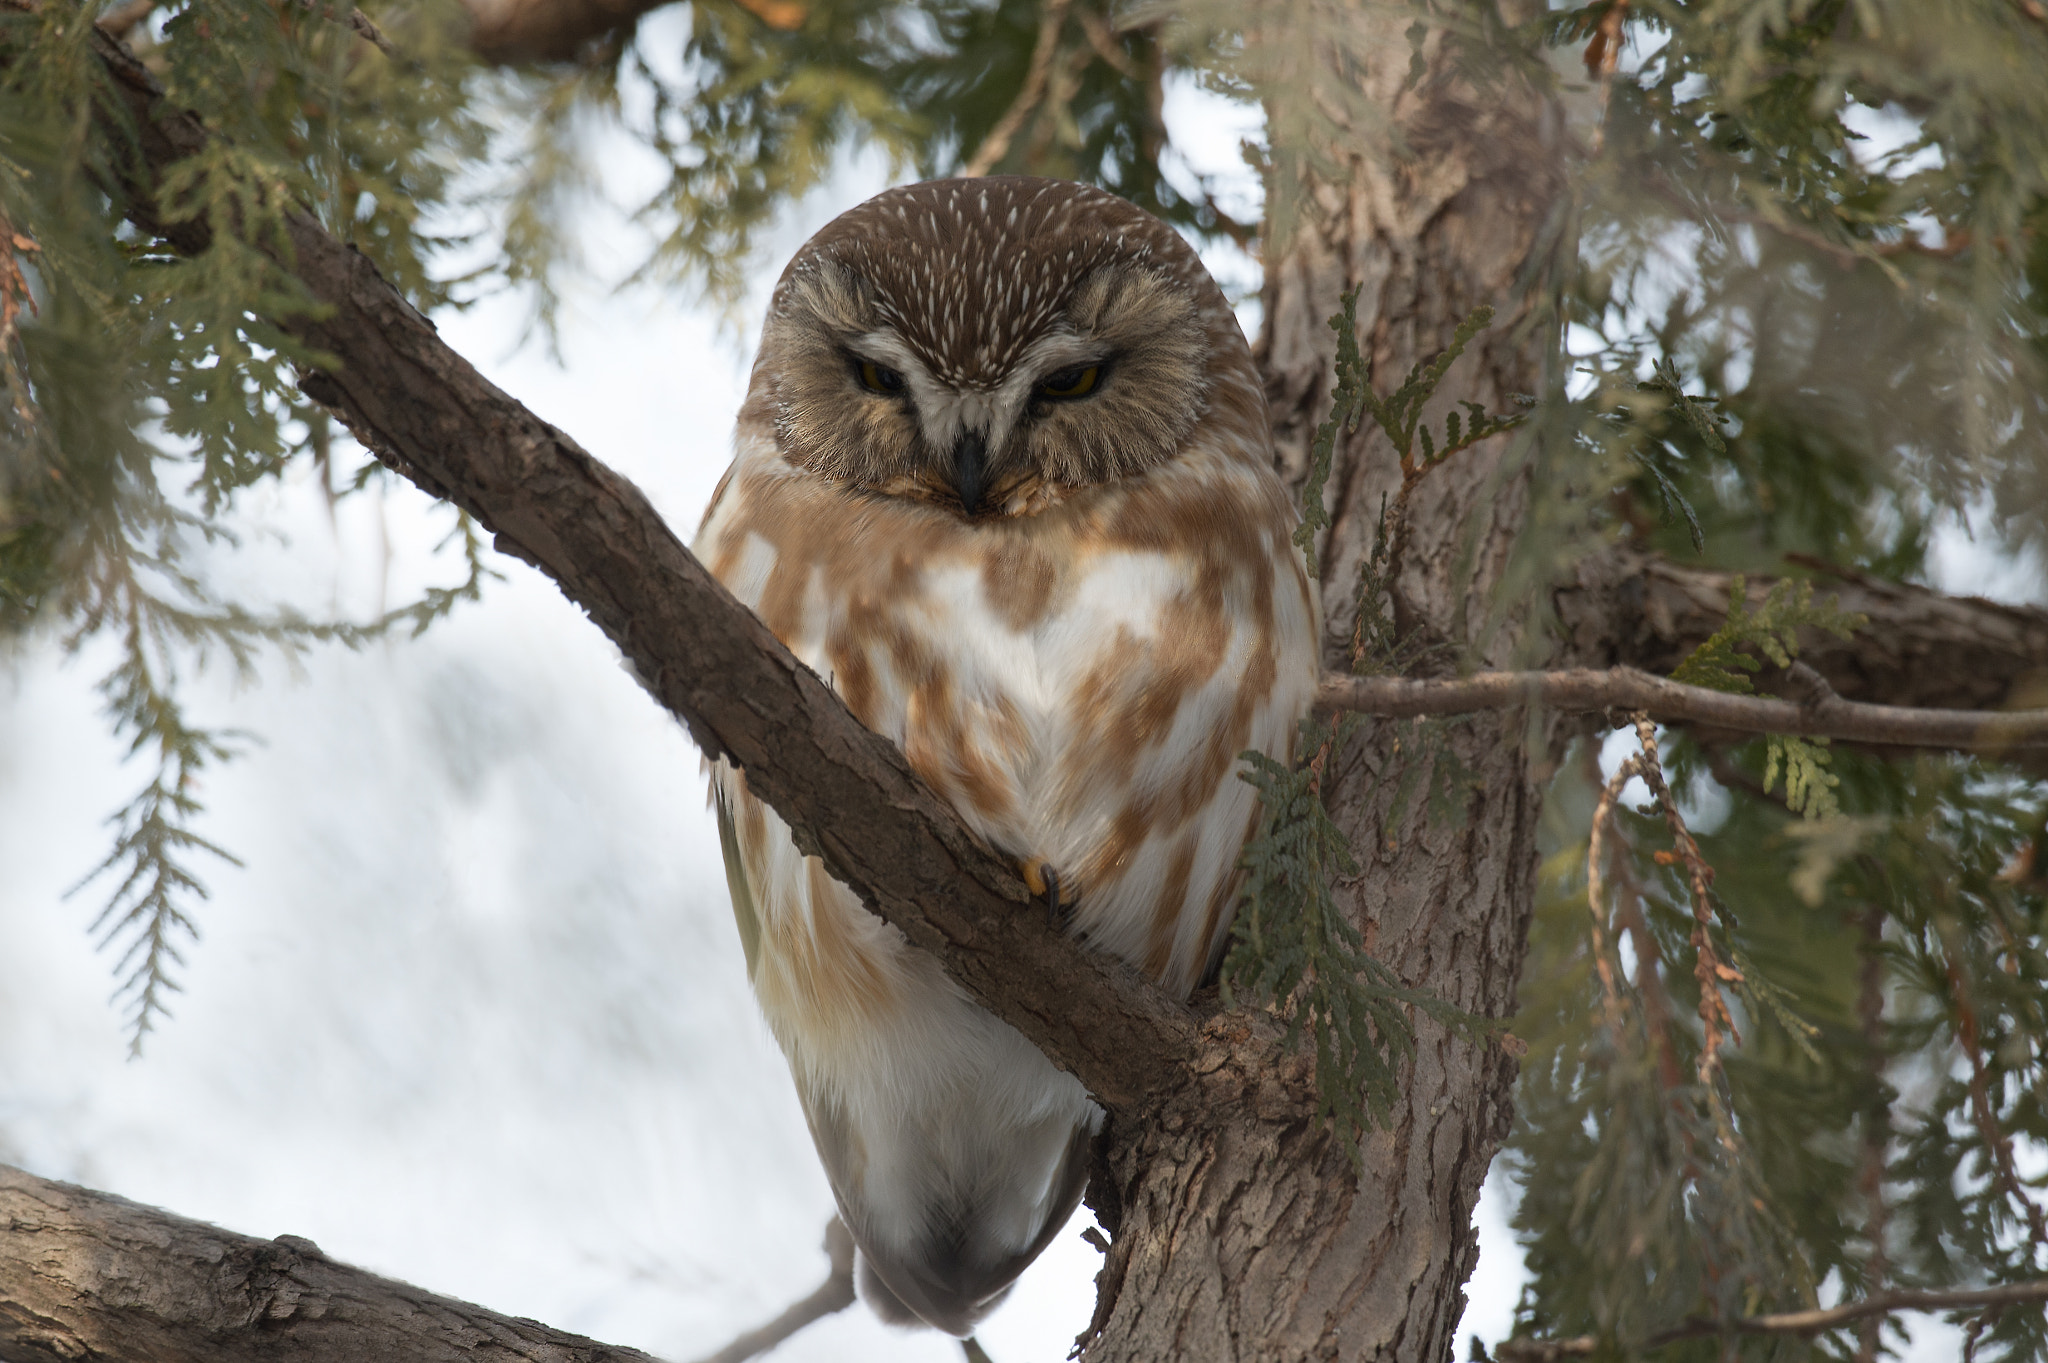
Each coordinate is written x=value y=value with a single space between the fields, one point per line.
x=879 y=378
x=1077 y=382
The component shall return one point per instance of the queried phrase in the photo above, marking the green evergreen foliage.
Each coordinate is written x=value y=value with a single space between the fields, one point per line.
x=147 y=391
x=1399 y=413
x=1348 y=405
x=1293 y=945
x=1772 y=629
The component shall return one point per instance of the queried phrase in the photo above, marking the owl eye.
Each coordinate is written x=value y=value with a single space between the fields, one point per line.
x=1077 y=382
x=879 y=378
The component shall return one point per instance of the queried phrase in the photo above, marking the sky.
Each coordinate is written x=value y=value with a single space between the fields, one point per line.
x=473 y=1013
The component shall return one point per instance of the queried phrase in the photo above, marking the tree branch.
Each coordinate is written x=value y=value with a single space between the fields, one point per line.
x=996 y=145
x=1819 y=713
x=849 y=794
x=1921 y=648
x=1787 y=1322
x=86 y=1275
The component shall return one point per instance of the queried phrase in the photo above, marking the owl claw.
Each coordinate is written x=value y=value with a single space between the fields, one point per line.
x=1042 y=878
x=1057 y=910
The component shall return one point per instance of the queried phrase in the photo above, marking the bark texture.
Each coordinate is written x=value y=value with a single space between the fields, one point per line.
x=103 y=1278
x=1921 y=648
x=1245 y=1234
x=512 y=31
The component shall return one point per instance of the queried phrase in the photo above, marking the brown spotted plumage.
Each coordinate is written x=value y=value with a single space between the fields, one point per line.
x=1004 y=476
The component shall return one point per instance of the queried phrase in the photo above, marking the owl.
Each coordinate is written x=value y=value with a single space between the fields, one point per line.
x=1004 y=476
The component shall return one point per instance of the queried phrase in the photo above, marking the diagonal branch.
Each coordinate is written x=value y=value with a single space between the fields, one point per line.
x=849 y=794
x=996 y=145
x=1820 y=713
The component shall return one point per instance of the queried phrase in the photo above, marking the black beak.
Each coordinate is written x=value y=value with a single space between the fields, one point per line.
x=970 y=469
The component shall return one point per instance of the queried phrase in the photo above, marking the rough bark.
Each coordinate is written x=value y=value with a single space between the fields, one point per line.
x=1921 y=648
x=105 y=1278
x=512 y=31
x=1245 y=1234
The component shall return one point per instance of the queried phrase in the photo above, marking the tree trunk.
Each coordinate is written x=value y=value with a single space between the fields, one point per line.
x=1244 y=1234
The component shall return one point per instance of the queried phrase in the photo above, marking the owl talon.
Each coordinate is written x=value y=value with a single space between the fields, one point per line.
x=1056 y=909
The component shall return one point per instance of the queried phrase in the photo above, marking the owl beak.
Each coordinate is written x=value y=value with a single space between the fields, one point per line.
x=970 y=469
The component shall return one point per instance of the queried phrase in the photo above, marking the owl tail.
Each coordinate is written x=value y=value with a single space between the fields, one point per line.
x=941 y=1280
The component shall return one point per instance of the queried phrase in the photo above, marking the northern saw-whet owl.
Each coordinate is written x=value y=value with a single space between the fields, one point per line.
x=1004 y=475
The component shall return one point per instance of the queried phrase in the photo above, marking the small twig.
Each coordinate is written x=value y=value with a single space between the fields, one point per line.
x=369 y=31
x=1103 y=39
x=1602 y=57
x=1709 y=969
x=1593 y=690
x=1876 y=1125
x=1603 y=816
x=997 y=144
x=834 y=1294
x=1787 y=1322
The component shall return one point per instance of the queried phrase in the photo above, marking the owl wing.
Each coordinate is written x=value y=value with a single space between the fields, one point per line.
x=741 y=893
x=955 y=1152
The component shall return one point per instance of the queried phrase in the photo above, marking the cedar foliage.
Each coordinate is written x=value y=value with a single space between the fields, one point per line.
x=1798 y=304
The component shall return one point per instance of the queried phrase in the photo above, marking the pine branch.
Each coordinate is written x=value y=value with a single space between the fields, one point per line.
x=1787 y=1322
x=1819 y=712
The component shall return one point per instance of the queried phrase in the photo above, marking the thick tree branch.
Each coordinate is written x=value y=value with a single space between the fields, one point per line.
x=85 y=1275
x=996 y=145
x=1921 y=648
x=1819 y=712
x=1787 y=1322
x=508 y=31
x=852 y=799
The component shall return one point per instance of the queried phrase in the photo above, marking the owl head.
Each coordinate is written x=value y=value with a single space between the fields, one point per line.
x=990 y=345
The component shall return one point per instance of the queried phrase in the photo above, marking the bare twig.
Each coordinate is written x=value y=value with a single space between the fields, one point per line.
x=360 y=22
x=1602 y=57
x=834 y=1294
x=1103 y=39
x=1596 y=895
x=1877 y=1132
x=1787 y=1322
x=1709 y=969
x=1820 y=712
x=996 y=145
